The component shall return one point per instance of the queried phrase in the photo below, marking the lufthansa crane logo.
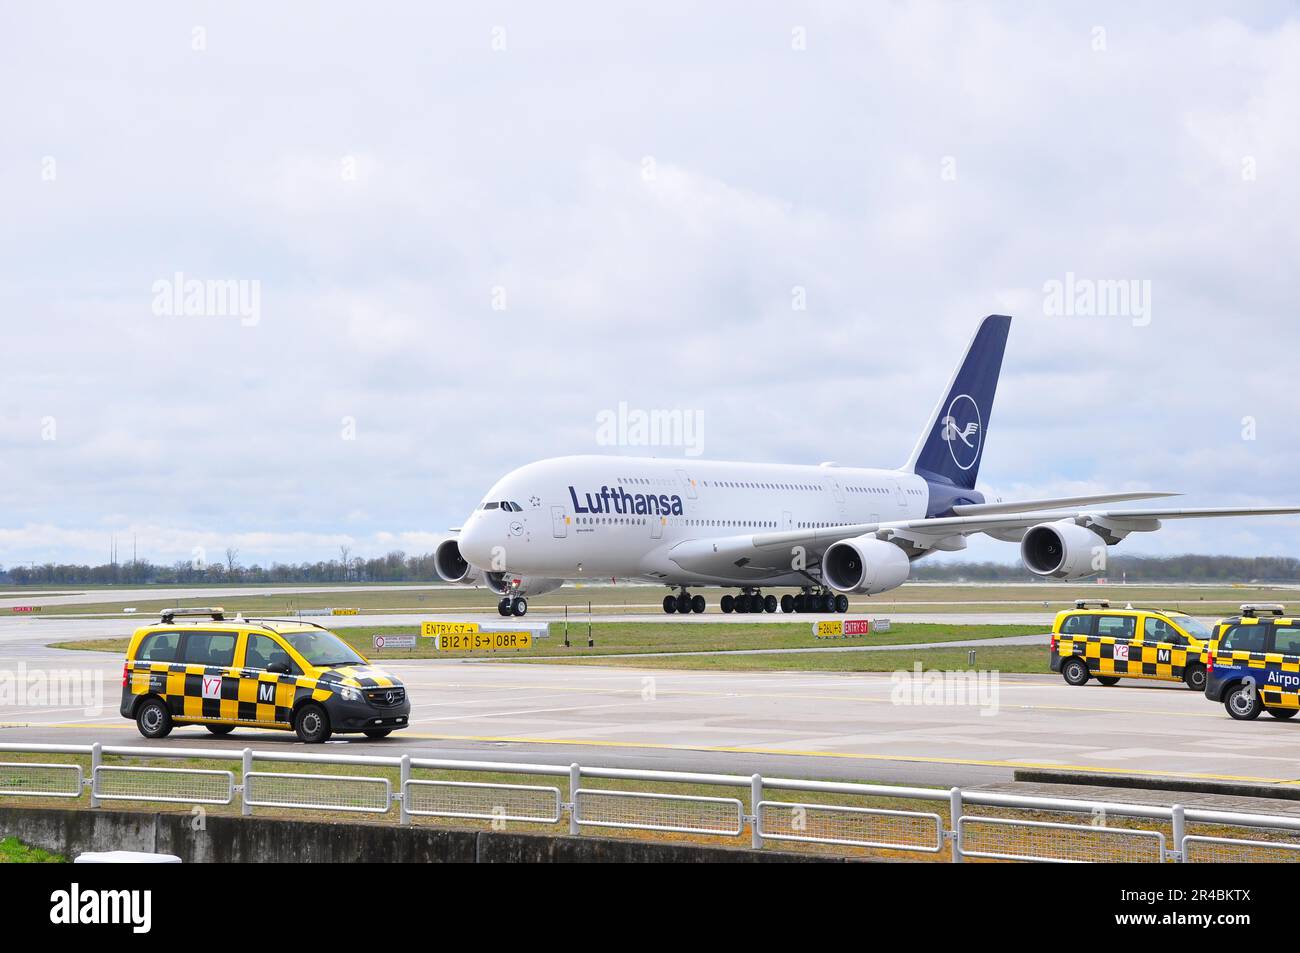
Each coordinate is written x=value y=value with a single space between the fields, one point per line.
x=963 y=431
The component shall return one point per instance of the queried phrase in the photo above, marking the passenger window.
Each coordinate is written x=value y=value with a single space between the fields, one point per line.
x=263 y=650
x=210 y=648
x=1077 y=625
x=1116 y=626
x=1286 y=641
x=1244 y=638
x=159 y=647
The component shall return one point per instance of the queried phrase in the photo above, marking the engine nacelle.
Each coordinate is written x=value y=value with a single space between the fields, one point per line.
x=864 y=565
x=503 y=582
x=1062 y=550
x=452 y=567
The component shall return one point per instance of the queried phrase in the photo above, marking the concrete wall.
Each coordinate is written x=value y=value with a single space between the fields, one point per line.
x=275 y=840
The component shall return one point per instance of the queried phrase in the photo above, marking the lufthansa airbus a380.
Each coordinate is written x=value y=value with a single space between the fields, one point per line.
x=829 y=531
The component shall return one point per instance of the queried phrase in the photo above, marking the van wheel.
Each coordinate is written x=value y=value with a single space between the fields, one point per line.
x=1242 y=702
x=1108 y=680
x=311 y=724
x=1074 y=672
x=377 y=733
x=1284 y=713
x=1195 y=677
x=220 y=729
x=153 y=719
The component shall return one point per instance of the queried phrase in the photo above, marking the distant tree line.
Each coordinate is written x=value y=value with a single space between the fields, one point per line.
x=393 y=567
x=1189 y=567
x=399 y=567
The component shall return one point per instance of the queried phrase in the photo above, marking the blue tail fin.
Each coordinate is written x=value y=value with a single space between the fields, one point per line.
x=950 y=449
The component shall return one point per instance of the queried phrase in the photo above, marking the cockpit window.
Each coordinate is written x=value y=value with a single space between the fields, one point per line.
x=490 y=506
x=516 y=507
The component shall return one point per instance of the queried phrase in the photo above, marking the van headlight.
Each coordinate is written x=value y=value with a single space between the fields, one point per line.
x=350 y=694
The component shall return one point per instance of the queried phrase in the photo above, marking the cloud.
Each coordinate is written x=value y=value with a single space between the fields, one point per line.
x=465 y=254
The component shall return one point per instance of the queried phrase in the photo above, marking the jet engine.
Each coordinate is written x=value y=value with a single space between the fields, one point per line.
x=503 y=582
x=864 y=565
x=452 y=567
x=1063 y=550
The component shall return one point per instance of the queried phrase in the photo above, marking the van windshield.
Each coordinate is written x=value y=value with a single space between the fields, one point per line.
x=1193 y=627
x=323 y=649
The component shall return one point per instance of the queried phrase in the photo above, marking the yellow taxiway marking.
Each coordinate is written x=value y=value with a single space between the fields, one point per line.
x=802 y=696
x=843 y=755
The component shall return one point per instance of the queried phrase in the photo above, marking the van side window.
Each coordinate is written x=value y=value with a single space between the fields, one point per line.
x=209 y=648
x=1244 y=638
x=1158 y=630
x=159 y=647
x=1286 y=640
x=263 y=650
x=1116 y=626
x=1077 y=625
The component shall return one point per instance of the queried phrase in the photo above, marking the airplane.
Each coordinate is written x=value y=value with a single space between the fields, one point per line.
x=829 y=531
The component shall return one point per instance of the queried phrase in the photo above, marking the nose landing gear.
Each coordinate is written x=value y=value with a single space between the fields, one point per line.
x=512 y=605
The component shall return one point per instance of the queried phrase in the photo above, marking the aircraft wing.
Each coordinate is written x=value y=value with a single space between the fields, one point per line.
x=762 y=553
x=1026 y=506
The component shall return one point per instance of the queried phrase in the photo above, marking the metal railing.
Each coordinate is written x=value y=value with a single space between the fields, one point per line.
x=827 y=814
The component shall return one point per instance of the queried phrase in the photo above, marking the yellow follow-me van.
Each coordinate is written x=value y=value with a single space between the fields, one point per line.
x=1092 y=640
x=256 y=673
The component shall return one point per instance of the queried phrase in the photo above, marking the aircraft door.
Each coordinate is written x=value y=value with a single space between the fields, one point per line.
x=687 y=484
x=559 y=522
x=900 y=497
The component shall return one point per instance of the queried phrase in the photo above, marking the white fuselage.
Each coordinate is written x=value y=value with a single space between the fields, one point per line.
x=599 y=517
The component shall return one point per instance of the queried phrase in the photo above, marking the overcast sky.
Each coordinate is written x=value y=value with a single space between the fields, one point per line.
x=470 y=231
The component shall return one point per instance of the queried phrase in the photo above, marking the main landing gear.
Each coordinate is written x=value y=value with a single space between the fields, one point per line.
x=751 y=600
x=684 y=604
x=824 y=601
x=512 y=605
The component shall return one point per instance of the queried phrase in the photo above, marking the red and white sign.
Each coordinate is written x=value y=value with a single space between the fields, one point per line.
x=1121 y=652
x=857 y=626
x=211 y=686
x=394 y=641
x=25 y=609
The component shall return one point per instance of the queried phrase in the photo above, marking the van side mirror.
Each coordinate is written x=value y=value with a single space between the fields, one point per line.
x=279 y=668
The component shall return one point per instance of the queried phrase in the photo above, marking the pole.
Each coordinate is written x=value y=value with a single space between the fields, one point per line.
x=406 y=776
x=246 y=809
x=954 y=809
x=575 y=782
